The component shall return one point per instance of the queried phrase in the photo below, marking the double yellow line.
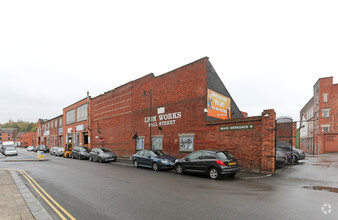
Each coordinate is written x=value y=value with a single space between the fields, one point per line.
x=51 y=202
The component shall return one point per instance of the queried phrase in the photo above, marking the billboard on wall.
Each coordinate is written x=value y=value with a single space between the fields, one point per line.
x=218 y=105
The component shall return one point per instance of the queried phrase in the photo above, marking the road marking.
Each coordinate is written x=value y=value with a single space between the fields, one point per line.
x=43 y=193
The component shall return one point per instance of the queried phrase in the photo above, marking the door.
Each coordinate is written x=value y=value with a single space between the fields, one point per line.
x=192 y=163
x=207 y=160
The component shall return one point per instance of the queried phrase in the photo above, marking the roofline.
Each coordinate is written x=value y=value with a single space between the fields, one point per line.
x=76 y=102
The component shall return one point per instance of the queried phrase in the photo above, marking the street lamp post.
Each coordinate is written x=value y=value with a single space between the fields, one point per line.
x=150 y=97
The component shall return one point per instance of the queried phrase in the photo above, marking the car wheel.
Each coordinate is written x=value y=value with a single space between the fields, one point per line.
x=155 y=166
x=295 y=159
x=179 y=169
x=135 y=163
x=214 y=173
x=100 y=160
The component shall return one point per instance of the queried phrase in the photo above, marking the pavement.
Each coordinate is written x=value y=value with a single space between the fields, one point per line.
x=18 y=203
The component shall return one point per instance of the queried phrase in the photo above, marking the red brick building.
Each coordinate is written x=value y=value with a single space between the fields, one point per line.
x=7 y=134
x=181 y=111
x=28 y=139
x=319 y=118
x=76 y=124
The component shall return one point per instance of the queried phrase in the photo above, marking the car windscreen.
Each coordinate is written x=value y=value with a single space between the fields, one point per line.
x=9 y=145
x=224 y=155
x=158 y=153
x=10 y=148
x=106 y=150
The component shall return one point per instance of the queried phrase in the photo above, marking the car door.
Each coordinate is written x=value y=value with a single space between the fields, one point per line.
x=208 y=158
x=192 y=162
x=94 y=154
x=146 y=159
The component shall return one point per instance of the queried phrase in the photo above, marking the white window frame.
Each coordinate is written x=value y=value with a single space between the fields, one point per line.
x=325 y=97
x=186 y=143
x=140 y=143
x=157 y=142
x=325 y=113
x=70 y=117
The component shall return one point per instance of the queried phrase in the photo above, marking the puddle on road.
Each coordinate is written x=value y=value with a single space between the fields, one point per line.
x=322 y=188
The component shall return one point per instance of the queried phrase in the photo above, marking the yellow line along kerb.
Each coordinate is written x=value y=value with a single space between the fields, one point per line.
x=30 y=180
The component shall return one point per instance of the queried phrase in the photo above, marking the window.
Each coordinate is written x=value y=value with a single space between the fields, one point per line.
x=60 y=122
x=325 y=97
x=208 y=156
x=70 y=117
x=325 y=129
x=51 y=125
x=194 y=156
x=146 y=153
x=186 y=142
x=82 y=113
x=140 y=153
x=157 y=143
x=140 y=143
x=325 y=113
x=55 y=124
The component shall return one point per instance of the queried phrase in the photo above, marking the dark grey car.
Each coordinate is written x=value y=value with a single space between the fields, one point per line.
x=80 y=152
x=102 y=155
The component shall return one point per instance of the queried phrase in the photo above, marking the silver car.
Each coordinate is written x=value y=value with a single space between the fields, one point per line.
x=10 y=151
x=53 y=150
x=59 y=152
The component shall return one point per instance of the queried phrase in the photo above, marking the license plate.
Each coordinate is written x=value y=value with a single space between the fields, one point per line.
x=232 y=163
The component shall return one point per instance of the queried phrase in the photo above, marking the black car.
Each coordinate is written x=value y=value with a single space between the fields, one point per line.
x=287 y=148
x=210 y=162
x=43 y=148
x=81 y=152
x=155 y=159
x=281 y=158
x=102 y=154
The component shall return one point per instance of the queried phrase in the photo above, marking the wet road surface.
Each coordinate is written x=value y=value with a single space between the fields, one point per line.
x=90 y=190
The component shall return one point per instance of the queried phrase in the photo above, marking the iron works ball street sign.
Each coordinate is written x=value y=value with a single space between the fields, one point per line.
x=237 y=127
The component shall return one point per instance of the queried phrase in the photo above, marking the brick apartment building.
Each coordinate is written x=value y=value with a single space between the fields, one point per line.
x=8 y=134
x=181 y=111
x=319 y=119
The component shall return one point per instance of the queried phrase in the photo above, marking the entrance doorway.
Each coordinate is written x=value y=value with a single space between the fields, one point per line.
x=85 y=138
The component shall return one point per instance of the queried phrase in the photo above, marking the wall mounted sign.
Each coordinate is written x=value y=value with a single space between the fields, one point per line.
x=80 y=127
x=46 y=133
x=163 y=119
x=69 y=130
x=218 y=105
x=237 y=127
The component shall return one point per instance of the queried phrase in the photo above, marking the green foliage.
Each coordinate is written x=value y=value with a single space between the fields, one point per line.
x=22 y=126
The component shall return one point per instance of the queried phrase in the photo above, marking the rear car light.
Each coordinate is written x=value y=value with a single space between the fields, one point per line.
x=221 y=163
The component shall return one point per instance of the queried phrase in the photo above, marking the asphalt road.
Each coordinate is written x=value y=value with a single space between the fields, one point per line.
x=90 y=190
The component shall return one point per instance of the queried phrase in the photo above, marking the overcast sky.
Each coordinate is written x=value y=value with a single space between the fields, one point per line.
x=268 y=54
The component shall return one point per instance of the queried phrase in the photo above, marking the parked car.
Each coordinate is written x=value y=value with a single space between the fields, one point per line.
x=30 y=148
x=213 y=163
x=6 y=145
x=281 y=158
x=102 y=155
x=155 y=159
x=81 y=152
x=10 y=151
x=53 y=150
x=43 y=148
x=286 y=148
x=60 y=151
x=36 y=148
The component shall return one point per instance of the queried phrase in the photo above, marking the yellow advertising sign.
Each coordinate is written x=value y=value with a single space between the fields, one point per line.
x=218 y=105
